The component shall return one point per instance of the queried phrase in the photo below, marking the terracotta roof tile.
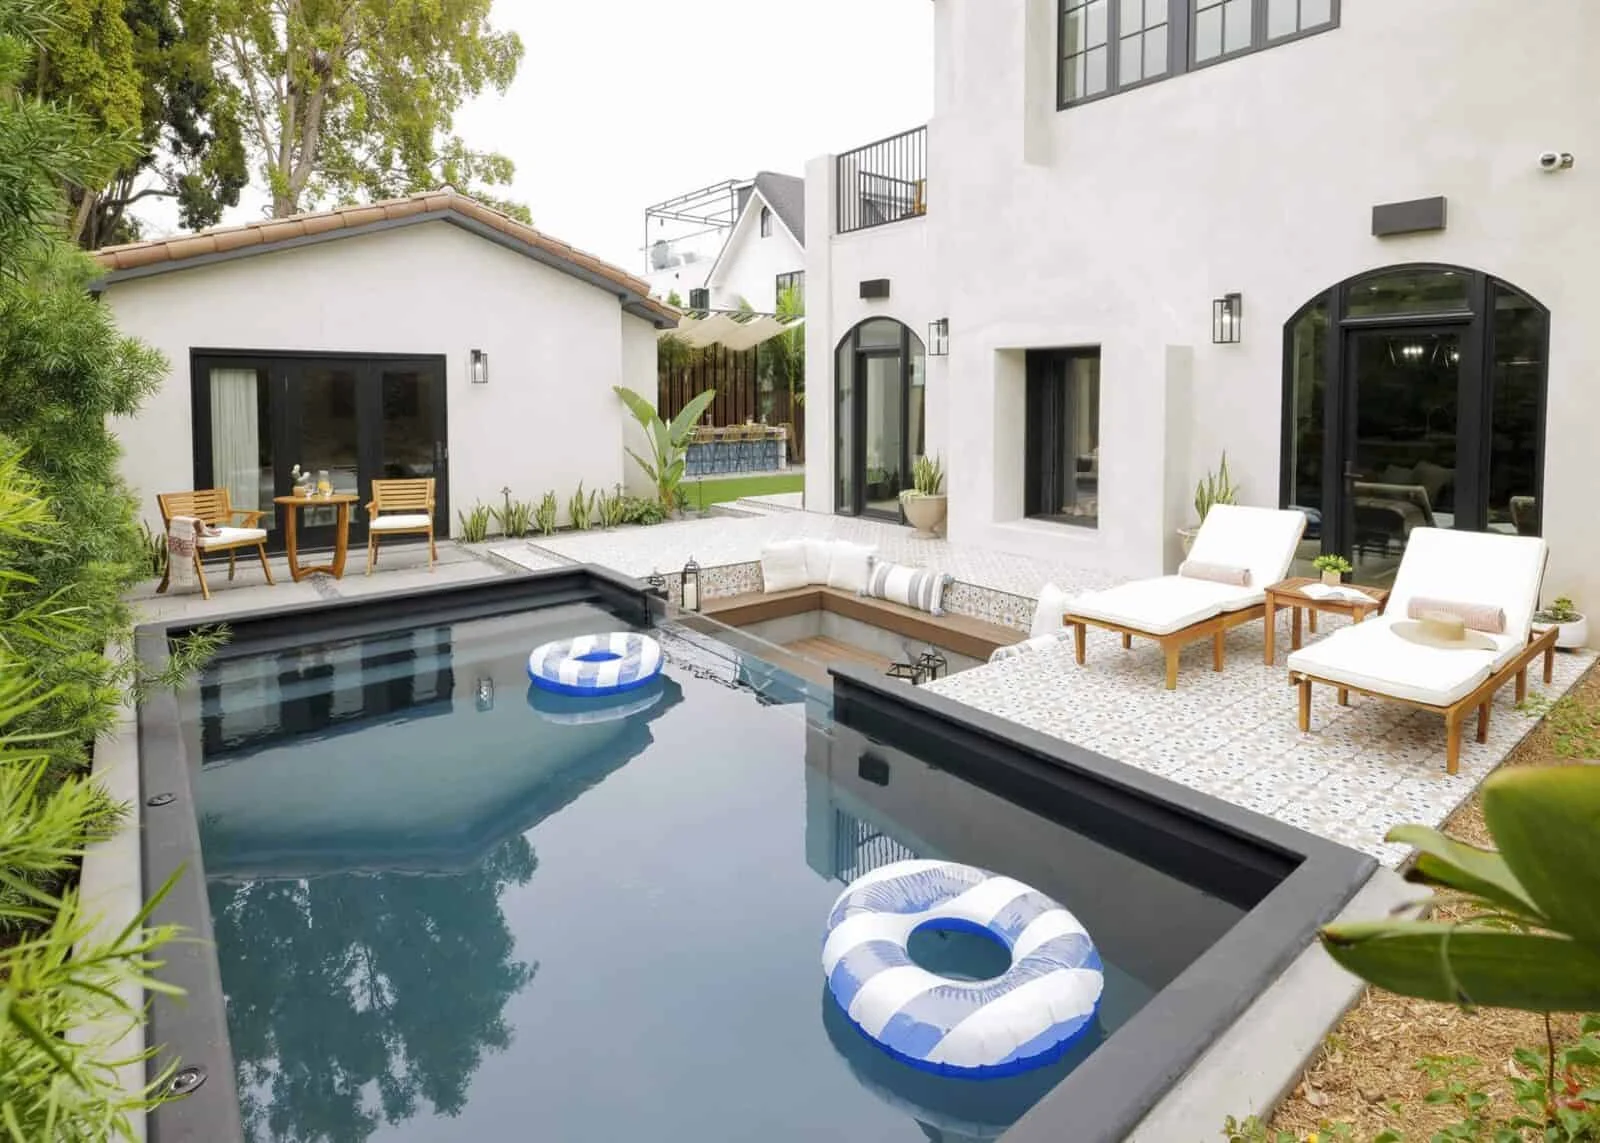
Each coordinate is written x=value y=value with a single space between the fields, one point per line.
x=268 y=232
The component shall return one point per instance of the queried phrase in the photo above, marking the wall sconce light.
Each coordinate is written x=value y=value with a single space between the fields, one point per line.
x=1227 y=319
x=939 y=338
x=480 y=367
x=689 y=583
x=485 y=696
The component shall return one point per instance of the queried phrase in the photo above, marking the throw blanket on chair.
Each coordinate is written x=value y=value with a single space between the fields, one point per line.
x=183 y=533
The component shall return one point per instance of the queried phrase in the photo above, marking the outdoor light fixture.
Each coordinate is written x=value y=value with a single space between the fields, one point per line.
x=480 y=367
x=1227 y=319
x=657 y=583
x=485 y=700
x=689 y=583
x=939 y=338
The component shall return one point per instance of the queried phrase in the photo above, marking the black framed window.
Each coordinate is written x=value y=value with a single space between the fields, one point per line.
x=796 y=282
x=1106 y=46
x=766 y=222
x=700 y=299
x=1062 y=436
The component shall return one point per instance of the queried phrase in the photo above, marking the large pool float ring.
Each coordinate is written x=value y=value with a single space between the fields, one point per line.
x=596 y=664
x=568 y=710
x=1024 y=1018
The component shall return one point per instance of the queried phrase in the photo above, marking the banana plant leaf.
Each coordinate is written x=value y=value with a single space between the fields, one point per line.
x=1546 y=824
x=690 y=415
x=1455 y=865
x=1475 y=966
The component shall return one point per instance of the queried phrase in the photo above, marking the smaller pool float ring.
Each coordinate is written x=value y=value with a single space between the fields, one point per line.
x=570 y=710
x=1022 y=1019
x=608 y=664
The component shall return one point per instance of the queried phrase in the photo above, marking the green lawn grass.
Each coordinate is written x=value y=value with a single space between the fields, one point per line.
x=704 y=493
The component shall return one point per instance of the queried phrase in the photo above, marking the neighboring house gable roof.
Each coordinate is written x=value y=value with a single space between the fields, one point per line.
x=205 y=247
x=791 y=194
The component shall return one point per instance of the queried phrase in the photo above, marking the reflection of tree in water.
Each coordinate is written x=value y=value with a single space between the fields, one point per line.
x=352 y=998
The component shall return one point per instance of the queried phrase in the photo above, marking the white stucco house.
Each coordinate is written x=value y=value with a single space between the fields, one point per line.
x=746 y=243
x=1351 y=243
x=428 y=336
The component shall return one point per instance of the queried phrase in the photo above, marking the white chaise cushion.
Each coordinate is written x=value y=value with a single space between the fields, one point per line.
x=783 y=566
x=1371 y=656
x=1486 y=567
x=1260 y=539
x=1162 y=606
x=227 y=537
x=1053 y=604
x=398 y=523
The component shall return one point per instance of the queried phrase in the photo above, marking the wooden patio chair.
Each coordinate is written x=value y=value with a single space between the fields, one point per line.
x=410 y=507
x=214 y=507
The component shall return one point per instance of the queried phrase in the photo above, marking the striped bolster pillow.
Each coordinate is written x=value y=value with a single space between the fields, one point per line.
x=1477 y=616
x=1217 y=573
x=913 y=587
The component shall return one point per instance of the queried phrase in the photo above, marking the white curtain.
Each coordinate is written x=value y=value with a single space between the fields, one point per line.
x=236 y=436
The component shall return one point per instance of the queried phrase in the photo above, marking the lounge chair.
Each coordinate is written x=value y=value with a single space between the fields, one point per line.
x=1488 y=569
x=409 y=508
x=235 y=528
x=1176 y=610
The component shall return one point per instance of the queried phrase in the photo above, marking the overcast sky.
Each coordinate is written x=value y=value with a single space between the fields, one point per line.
x=623 y=103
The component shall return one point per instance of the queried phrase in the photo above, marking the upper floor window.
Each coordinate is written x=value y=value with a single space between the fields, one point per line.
x=700 y=299
x=797 y=283
x=766 y=222
x=1111 y=45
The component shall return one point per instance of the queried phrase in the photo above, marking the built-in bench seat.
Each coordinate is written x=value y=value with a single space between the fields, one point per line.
x=970 y=637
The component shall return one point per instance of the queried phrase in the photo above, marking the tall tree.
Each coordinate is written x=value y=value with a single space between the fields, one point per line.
x=356 y=98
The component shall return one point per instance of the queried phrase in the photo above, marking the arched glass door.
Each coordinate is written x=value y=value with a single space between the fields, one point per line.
x=1413 y=397
x=879 y=369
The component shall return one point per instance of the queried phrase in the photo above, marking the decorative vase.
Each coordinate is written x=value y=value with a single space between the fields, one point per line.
x=1569 y=636
x=924 y=513
x=1332 y=578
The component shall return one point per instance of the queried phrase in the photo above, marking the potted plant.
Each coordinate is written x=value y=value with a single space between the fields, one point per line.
x=1216 y=488
x=1333 y=569
x=925 y=504
x=1572 y=626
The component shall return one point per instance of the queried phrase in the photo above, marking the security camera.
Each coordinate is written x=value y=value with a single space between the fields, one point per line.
x=1556 y=161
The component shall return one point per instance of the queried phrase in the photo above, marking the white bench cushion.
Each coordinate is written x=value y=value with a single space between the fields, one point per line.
x=783 y=566
x=398 y=523
x=1162 y=606
x=1371 y=656
x=227 y=537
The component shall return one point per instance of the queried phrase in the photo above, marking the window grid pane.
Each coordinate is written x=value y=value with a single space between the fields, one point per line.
x=1288 y=17
x=1143 y=33
x=1084 y=37
x=1222 y=27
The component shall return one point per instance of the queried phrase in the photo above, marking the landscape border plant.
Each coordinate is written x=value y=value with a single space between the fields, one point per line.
x=668 y=443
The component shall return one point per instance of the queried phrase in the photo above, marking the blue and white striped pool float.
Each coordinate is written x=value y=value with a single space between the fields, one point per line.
x=596 y=664
x=1022 y=1019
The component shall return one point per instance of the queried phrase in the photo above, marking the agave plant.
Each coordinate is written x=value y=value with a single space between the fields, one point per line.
x=1533 y=941
x=1216 y=488
x=613 y=508
x=475 y=524
x=668 y=443
x=580 y=509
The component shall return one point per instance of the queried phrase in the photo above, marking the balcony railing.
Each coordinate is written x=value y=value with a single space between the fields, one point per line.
x=884 y=182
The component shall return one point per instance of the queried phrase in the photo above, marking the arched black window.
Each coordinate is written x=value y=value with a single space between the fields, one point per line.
x=1414 y=396
x=880 y=370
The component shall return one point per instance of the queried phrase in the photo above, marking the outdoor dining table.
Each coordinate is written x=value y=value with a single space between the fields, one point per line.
x=341 y=532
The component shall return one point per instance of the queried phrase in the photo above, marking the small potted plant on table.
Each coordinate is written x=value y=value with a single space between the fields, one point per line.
x=1333 y=569
x=925 y=504
x=1572 y=626
x=1216 y=488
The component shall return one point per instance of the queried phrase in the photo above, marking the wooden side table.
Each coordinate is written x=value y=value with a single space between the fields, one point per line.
x=1288 y=594
x=341 y=531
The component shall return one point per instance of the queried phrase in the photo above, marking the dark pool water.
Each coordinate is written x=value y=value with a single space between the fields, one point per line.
x=443 y=914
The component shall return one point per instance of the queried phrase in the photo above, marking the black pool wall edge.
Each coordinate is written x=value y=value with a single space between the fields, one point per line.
x=191 y=1030
x=1291 y=882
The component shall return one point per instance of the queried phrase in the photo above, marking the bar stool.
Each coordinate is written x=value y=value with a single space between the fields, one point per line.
x=726 y=451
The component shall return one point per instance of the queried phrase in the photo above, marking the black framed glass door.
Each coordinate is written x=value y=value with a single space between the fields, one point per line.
x=356 y=418
x=879 y=426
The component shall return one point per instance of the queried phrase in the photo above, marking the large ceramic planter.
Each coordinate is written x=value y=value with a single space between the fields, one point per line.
x=924 y=513
x=1569 y=636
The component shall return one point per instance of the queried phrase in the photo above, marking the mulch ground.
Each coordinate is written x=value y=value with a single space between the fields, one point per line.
x=1367 y=1074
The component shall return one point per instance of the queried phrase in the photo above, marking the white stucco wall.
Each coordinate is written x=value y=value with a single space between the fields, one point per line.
x=1116 y=223
x=547 y=418
x=750 y=264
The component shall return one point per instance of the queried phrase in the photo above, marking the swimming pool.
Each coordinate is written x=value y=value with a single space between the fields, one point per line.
x=445 y=907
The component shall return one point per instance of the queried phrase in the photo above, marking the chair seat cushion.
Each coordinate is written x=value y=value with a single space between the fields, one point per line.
x=1164 y=605
x=399 y=523
x=228 y=537
x=1372 y=657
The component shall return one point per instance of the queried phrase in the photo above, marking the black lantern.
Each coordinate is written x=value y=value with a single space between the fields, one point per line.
x=939 y=338
x=906 y=672
x=689 y=596
x=485 y=695
x=1227 y=319
x=480 y=367
x=932 y=665
x=657 y=583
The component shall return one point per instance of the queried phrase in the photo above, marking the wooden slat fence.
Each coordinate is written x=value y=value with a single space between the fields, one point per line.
x=739 y=396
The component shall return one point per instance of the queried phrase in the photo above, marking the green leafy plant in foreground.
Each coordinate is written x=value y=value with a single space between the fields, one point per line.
x=637 y=510
x=475 y=524
x=546 y=515
x=580 y=509
x=668 y=443
x=613 y=508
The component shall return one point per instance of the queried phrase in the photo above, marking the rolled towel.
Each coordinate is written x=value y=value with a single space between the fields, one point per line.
x=1477 y=616
x=1217 y=573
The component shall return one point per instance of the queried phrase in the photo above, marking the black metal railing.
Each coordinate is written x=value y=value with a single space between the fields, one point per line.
x=883 y=182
